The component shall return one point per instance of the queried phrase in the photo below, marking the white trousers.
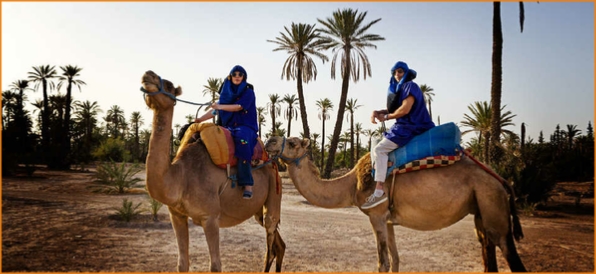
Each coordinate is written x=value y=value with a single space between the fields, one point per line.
x=379 y=157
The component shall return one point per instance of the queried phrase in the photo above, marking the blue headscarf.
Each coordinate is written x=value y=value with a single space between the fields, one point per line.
x=409 y=75
x=230 y=92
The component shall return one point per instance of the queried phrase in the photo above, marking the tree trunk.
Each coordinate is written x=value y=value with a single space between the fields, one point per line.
x=289 y=123
x=66 y=130
x=340 y=114
x=352 y=139
x=303 y=113
x=323 y=142
x=430 y=110
x=45 y=123
x=495 y=93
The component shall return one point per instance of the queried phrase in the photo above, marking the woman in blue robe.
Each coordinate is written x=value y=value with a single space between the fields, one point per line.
x=238 y=113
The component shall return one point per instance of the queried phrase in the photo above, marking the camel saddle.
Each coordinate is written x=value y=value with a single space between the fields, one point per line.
x=220 y=144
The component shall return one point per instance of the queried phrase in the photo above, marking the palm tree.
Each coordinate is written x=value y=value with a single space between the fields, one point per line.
x=325 y=106
x=261 y=111
x=21 y=86
x=43 y=75
x=572 y=131
x=189 y=118
x=351 y=107
x=278 y=130
x=212 y=89
x=274 y=109
x=346 y=33
x=480 y=121
x=69 y=73
x=85 y=116
x=291 y=110
x=370 y=134
x=300 y=43
x=10 y=101
x=428 y=94
x=114 y=121
x=136 y=120
x=497 y=73
x=357 y=131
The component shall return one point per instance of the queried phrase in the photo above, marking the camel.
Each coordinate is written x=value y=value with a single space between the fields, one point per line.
x=424 y=200
x=191 y=186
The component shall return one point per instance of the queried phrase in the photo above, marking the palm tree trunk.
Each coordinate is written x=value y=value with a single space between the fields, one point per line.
x=486 y=147
x=430 y=110
x=45 y=122
x=497 y=74
x=322 y=142
x=357 y=147
x=352 y=139
x=340 y=114
x=303 y=113
x=289 y=123
x=66 y=130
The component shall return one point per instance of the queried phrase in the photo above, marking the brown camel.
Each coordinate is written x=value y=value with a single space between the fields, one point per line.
x=425 y=200
x=192 y=186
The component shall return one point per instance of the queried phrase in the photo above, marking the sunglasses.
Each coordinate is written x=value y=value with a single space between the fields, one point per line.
x=400 y=71
x=237 y=74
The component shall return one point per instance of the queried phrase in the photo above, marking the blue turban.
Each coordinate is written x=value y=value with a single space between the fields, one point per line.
x=230 y=92
x=409 y=75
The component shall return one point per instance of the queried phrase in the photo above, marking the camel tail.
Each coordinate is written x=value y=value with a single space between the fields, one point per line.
x=518 y=234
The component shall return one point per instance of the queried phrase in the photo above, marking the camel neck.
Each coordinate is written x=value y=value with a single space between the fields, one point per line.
x=334 y=193
x=158 y=157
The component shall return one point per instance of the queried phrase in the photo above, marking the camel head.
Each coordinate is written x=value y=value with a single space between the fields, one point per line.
x=152 y=85
x=287 y=149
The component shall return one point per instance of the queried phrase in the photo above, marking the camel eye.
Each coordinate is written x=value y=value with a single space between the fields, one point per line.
x=292 y=144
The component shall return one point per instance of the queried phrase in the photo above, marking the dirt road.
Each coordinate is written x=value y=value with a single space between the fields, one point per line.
x=53 y=222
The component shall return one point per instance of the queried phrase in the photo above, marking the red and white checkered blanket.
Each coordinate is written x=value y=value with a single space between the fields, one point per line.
x=426 y=163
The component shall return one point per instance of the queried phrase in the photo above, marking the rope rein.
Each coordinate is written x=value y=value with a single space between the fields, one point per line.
x=172 y=96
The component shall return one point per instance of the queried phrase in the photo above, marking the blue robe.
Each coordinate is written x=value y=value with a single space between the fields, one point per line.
x=243 y=125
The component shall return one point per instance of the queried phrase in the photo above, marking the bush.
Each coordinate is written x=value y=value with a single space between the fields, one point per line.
x=128 y=210
x=154 y=207
x=112 y=149
x=117 y=177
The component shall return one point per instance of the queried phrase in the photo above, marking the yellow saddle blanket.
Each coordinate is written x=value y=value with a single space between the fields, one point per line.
x=220 y=144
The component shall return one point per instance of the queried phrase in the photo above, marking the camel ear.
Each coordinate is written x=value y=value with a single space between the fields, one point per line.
x=305 y=142
x=178 y=91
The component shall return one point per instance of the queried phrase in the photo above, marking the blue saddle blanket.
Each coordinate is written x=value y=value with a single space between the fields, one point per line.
x=440 y=140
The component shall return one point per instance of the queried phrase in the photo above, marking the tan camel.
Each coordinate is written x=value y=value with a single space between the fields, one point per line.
x=429 y=199
x=192 y=186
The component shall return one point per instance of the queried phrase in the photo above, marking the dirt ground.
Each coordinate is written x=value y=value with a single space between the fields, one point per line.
x=53 y=222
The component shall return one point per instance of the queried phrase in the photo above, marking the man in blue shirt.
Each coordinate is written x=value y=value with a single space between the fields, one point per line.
x=405 y=104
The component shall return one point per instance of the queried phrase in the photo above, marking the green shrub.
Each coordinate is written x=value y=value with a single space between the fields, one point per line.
x=154 y=207
x=117 y=177
x=128 y=210
x=112 y=149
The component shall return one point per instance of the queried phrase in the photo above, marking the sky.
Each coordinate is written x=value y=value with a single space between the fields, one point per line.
x=548 y=70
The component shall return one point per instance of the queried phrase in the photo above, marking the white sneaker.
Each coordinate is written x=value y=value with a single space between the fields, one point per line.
x=373 y=201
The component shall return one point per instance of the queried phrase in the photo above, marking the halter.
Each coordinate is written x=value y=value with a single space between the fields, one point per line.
x=295 y=160
x=162 y=91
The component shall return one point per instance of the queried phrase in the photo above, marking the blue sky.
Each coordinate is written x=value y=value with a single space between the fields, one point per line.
x=548 y=70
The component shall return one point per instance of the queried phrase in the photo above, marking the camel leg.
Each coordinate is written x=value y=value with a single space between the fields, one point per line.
x=180 y=225
x=508 y=249
x=392 y=248
x=211 y=228
x=379 y=224
x=489 y=255
x=270 y=218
